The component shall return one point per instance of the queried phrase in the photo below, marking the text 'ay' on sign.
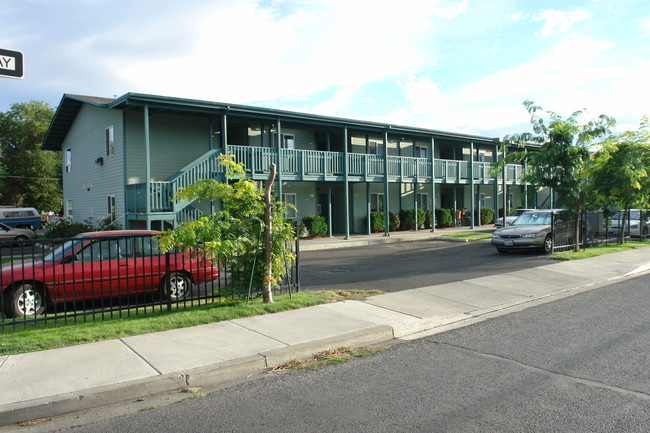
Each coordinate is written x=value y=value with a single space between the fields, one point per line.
x=11 y=63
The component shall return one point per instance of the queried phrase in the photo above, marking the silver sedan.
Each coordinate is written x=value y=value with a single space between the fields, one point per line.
x=17 y=236
x=531 y=230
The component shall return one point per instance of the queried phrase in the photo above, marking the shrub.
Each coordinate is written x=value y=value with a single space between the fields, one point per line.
x=407 y=219
x=487 y=215
x=65 y=228
x=393 y=221
x=316 y=225
x=376 y=222
x=428 y=219
x=107 y=223
x=422 y=217
x=443 y=217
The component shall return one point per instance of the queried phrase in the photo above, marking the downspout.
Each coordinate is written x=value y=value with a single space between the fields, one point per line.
x=433 y=185
x=329 y=208
x=368 y=210
x=210 y=147
x=495 y=202
x=505 y=186
x=455 y=189
x=280 y=168
x=346 y=182
x=386 y=198
x=415 y=187
x=471 y=184
x=329 y=190
x=127 y=223
x=147 y=156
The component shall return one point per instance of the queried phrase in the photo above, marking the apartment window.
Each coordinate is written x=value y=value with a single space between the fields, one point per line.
x=68 y=160
x=110 y=141
x=423 y=201
x=420 y=152
x=68 y=209
x=112 y=214
x=375 y=147
x=290 y=199
x=288 y=141
x=376 y=202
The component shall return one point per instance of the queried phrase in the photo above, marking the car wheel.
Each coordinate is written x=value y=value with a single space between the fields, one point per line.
x=502 y=250
x=176 y=286
x=547 y=248
x=645 y=231
x=26 y=300
x=21 y=240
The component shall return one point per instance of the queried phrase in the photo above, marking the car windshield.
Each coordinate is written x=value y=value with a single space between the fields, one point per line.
x=533 y=218
x=62 y=250
x=517 y=212
x=634 y=215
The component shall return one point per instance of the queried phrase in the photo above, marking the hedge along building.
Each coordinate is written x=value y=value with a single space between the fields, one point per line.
x=125 y=157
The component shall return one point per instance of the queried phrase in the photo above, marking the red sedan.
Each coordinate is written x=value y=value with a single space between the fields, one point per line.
x=101 y=264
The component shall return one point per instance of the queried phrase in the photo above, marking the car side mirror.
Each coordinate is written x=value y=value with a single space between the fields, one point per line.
x=70 y=258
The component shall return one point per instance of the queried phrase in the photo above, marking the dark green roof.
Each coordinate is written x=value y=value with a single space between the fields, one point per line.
x=71 y=104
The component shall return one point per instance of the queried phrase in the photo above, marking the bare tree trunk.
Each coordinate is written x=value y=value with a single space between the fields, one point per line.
x=267 y=294
x=576 y=227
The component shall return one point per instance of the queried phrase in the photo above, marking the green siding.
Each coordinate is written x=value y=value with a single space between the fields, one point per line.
x=306 y=197
x=88 y=184
x=175 y=141
x=359 y=207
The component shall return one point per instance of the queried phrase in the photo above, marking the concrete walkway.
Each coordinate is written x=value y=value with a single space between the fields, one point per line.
x=54 y=382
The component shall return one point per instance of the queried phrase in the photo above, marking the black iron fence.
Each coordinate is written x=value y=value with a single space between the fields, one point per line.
x=62 y=281
x=599 y=227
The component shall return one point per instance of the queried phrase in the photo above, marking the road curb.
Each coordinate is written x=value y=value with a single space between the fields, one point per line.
x=217 y=374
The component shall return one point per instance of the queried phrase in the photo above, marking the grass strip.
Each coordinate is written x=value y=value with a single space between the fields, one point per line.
x=471 y=236
x=64 y=335
x=599 y=250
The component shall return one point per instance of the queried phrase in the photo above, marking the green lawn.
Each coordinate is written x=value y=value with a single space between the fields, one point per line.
x=53 y=335
x=471 y=236
x=600 y=250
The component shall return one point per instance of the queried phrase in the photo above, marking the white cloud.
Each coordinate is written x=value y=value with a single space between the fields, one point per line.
x=452 y=11
x=575 y=74
x=645 y=25
x=422 y=94
x=247 y=52
x=560 y=21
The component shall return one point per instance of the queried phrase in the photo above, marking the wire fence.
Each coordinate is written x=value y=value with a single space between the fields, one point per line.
x=54 y=282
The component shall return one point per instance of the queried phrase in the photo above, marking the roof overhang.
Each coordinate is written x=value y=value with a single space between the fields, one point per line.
x=71 y=104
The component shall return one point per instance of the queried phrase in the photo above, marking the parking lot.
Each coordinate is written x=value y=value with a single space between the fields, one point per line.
x=407 y=265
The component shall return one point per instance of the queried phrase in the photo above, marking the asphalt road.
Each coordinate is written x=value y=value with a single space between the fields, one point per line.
x=408 y=265
x=578 y=364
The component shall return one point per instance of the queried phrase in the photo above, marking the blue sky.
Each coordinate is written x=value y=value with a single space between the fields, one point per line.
x=463 y=66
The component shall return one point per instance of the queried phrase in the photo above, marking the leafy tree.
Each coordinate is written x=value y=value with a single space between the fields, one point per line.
x=32 y=177
x=235 y=233
x=620 y=170
x=563 y=158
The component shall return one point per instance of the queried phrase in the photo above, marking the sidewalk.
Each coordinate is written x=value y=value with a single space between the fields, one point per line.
x=54 y=382
x=358 y=240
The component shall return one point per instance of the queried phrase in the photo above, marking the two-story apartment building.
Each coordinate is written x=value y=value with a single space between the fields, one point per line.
x=125 y=157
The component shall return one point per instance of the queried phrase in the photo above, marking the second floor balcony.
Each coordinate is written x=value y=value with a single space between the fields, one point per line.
x=318 y=166
x=312 y=165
